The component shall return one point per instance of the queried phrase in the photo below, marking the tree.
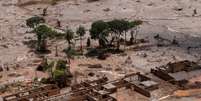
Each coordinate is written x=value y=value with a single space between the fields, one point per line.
x=126 y=27
x=34 y=21
x=70 y=53
x=134 y=24
x=42 y=32
x=81 y=32
x=59 y=76
x=60 y=73
x=99 y=30
x=88 y=42
x=117 y=27
x=69 y=35
x=61 y=65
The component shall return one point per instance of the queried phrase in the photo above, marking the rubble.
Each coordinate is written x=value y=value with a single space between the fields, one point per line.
x=101 y=89
x=179 y=72
x=96 y=66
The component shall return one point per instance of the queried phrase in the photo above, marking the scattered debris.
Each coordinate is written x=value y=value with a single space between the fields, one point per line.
x=96 y=66
x=33 y=94
x=106 y=9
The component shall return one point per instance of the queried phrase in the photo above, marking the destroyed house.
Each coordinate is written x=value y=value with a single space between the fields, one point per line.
x=89 y=83
x=102 y=89
x=99 y=95
x=141 y=84
x=33 y=94
x=182 y=66
x=111 y=88
x=178 y=72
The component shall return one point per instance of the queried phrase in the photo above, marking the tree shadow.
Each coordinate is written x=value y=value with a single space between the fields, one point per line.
x=102 y=53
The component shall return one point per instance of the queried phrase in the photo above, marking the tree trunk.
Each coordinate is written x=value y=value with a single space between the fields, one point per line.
x=69 y=62
x=56 y=54
x=136 y=33
x=125 y=40
x=118 y=42
x=39 y=42
x=81 y=48
x=69 y=44
x=132 y=37
x=43 y=45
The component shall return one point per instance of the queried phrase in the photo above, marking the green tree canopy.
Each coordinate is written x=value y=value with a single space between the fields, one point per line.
x=34 y=21
x=43 y=32
x=135 y=23
x=99 y=28
x=81 y=31
x=69 y=35
x=61 y=65
x=58 y=73
x=117 y=26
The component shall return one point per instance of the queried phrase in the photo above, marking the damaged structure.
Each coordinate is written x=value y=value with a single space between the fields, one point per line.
x=33 y=94
x=141 y=83
x=179 y=72
x=102 y=90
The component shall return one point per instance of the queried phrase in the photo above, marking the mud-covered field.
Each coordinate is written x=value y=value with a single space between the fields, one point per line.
x=171 y=19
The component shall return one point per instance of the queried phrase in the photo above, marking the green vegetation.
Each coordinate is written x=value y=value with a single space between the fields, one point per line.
x=69 y=35
x=134 y=24
x=88 y=42
x=45 y=66
x=44 y=32
x=81 y=31
x=100 y=30
x=34 y=21
x=60 y=73
x=109 y=34
x=61 y=65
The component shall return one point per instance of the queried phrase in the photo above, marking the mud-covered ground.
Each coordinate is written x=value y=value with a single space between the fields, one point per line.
x=168 y=18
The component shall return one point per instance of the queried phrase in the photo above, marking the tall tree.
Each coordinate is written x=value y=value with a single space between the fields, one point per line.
x=88 y=42
x=42 y=33
x=117 y=27
x=126 y=27
x=69 y=35
x=81 y=32
x=134 y=24
x=70 y=53
x=99 y=30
